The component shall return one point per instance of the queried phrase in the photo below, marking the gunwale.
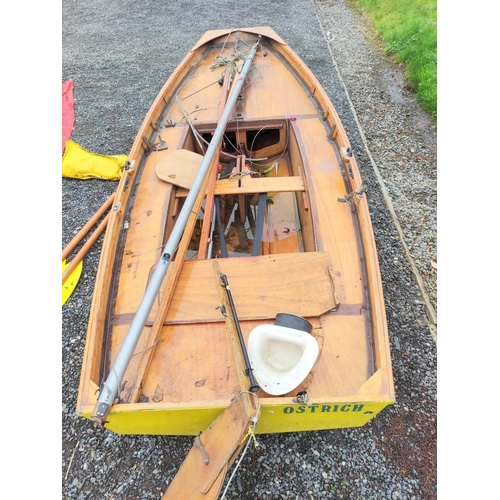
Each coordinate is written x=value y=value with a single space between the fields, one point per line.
x=374 y=388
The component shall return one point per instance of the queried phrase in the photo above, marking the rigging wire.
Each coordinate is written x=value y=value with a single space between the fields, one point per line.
x=251 y=433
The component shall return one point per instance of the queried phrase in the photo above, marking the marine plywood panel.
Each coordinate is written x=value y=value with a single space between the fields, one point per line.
x=261 y=287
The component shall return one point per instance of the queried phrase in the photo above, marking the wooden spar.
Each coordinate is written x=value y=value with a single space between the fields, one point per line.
x=79 y=256
x=175 y=269
x=85 y=229
x=109 y=388
x=240 y=165
x=209 y=202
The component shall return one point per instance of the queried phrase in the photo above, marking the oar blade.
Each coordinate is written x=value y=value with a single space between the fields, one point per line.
x=72 y=280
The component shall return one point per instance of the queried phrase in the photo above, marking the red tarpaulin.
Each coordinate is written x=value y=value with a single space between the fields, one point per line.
x=68 y=113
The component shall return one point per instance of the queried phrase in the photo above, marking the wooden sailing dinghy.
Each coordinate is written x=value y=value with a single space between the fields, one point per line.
x=240 y=217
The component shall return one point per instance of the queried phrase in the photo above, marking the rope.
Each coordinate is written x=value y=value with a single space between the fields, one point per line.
x=236 y=176
x=234 y=471
x=250 y=433
x=228 y=62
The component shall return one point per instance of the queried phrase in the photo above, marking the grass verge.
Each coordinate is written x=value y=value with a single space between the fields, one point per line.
x=409 y=30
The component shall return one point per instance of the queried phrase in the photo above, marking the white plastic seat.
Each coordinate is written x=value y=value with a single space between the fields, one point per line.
x=281 y=357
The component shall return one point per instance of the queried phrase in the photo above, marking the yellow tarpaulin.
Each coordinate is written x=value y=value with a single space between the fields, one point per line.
x=78 y=163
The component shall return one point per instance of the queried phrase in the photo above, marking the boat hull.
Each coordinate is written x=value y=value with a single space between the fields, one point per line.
x=316 y=255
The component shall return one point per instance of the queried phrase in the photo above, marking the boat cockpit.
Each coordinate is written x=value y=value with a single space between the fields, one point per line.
x=260 y=201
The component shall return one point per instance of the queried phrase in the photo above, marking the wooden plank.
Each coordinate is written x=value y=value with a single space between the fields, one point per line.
x=209 y=202
x=250 y=185
x=261 y=286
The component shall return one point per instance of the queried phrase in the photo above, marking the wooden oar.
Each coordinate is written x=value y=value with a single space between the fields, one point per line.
x=85 y=229
x=71 y=272
x=109 y=388
x=79 y=256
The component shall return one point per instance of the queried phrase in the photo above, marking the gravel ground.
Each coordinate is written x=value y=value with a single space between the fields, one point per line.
x=119 y=55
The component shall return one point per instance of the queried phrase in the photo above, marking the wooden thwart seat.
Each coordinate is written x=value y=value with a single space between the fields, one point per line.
x=250 y=185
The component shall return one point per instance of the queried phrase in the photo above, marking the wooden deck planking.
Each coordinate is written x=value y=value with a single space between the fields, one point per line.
x=335 y=224
x=305 y=287
x=268 y=75
x=261 y=97
x=337 y=371
x=192 y=362
x=144 y=239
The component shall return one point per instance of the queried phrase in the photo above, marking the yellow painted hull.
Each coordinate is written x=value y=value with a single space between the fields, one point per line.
x=274 y=418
